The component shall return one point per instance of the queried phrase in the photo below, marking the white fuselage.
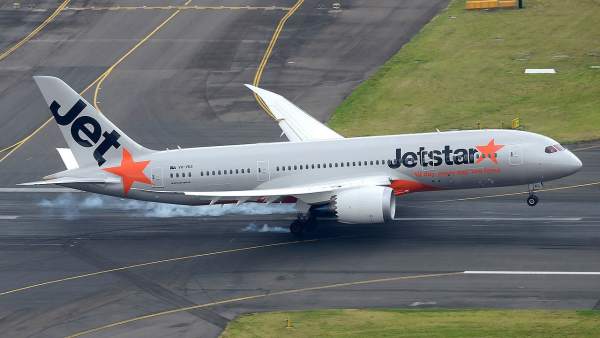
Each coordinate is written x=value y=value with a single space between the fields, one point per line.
x=414 y=162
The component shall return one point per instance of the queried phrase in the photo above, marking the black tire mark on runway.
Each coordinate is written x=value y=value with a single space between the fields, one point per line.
x=148 y=286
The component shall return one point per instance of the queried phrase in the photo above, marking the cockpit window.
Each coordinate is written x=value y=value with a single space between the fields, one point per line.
x=553 y=149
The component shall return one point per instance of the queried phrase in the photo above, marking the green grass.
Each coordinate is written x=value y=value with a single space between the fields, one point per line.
x=467 y=66
x=419 y=323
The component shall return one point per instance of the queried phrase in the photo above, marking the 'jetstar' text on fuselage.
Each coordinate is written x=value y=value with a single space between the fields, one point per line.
x=434 y=158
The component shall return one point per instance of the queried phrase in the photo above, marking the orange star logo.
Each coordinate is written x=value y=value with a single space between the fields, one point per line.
x=130 y=171
x=489 y=151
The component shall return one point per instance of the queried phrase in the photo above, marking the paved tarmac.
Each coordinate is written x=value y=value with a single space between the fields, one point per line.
x=72 y=262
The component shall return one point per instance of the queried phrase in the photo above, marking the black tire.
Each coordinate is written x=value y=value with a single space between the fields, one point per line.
x=532 y=200
x=297 y=228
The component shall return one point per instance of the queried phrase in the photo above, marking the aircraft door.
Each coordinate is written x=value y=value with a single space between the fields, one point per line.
x=515 y=155
x=262 y=171
x=157 y=177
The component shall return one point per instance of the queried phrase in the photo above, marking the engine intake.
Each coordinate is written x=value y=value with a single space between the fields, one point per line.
x=373 y=204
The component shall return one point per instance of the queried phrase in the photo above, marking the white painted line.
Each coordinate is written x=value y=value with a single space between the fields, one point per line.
x=566 y=273
x=25 y=244
x=538 y=219
x=540 y=71
x=8 y=217
x=38 y=190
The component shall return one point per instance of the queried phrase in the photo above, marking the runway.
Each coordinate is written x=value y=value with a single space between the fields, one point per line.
x=74 y=263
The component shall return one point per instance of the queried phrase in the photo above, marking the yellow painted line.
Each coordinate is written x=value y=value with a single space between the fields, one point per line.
x=185 y=7
x=262 y=295
x=168 y=260
x=269 y=50
x=99 y=79
x=141 y=42
x=523 y=192
x=35 y=31
x=587 y=148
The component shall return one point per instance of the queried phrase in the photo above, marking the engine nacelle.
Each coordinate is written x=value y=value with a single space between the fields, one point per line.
x=373 y=204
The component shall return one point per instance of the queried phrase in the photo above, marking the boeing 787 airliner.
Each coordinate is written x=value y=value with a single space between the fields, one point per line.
x=356 y=179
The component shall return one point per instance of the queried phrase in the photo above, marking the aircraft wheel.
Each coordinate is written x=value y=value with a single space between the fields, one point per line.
x=532 y=200
x=297 y=228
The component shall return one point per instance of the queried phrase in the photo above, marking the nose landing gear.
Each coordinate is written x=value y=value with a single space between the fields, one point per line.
x=532 y=199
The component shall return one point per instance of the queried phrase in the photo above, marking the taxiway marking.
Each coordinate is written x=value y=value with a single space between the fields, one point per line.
x=522 y=192
x=563 y=273
x=174 y=259
x=262 y=295
x=19 y=144
x=184 y=7
x=267 y=55
x=122 y=58
x=586 y=148
x=35 y=31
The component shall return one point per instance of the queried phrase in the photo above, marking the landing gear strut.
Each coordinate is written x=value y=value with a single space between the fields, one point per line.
x=532 y=199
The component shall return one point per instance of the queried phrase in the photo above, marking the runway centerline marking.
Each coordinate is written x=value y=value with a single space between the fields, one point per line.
x=8 y=217
x=551 y=273
x=35 y=31
x=268 y=51
x=167 y=260
x=19 y=144
x=263 y=295
x=521 y=193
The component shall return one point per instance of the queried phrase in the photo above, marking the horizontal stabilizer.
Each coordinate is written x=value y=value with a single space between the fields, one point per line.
x=71 y=180
x=68 y=158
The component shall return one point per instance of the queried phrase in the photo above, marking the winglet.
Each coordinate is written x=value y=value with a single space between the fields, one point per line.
x=295 y=123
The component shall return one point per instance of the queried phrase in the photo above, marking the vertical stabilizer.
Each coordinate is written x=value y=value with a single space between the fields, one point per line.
x=92 y=138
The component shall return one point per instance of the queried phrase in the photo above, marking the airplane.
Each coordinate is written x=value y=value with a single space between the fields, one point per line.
x=355 y=180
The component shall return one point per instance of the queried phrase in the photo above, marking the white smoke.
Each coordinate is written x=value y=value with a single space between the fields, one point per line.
x=71 y=206
x=265 y=228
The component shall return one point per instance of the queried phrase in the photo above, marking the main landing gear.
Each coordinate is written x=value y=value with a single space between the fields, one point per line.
x=532 y=199
x=303 y=224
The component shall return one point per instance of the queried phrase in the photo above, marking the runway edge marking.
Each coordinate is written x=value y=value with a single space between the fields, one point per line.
x=167 y=260
x=262 y=295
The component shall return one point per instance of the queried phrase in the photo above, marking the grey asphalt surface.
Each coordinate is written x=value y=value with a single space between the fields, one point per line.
x=184 y=87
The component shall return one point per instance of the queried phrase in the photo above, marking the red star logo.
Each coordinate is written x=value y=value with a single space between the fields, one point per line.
x=489 y=151
x=130 y=171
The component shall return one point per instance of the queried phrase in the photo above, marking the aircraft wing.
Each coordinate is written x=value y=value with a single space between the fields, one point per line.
x=295 y=123
x=309 y=193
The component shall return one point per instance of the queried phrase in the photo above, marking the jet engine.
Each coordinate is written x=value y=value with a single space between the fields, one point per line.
x=372 y=204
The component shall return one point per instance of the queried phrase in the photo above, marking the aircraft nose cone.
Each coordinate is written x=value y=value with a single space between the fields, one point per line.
x=574 y=163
